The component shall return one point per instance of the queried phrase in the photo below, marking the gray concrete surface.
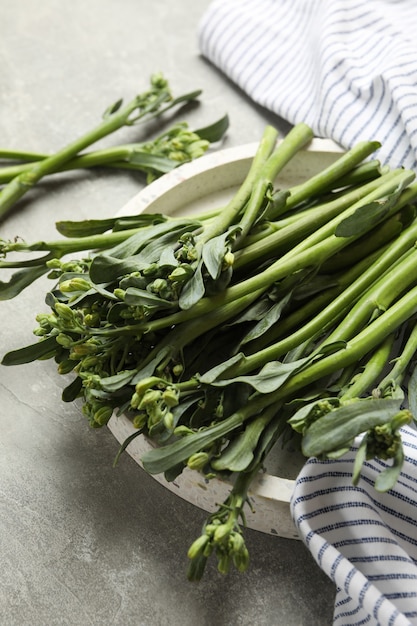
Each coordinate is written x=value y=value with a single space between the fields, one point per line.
x=80 y=542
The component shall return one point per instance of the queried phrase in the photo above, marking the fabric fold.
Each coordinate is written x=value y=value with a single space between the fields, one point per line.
x=365 y=541
x=348 y=69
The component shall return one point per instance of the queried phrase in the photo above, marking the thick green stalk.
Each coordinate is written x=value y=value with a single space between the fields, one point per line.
x=255 y=202
x=266 y=165
x=387 y=185
x=315 y=184
x=298 y=258
x=118 y=117
x=363 y=343
x=238 y=201
x=117 y=156
x=293 y=142
x=396 y=282
x=305 y=223
x=382 y=235
x=401 y=362
x=306 y=313
x=360 y=174
x=27 y=179
x=67 y=246
x=184 y=334
x=159 y=460
x=21 y=155
x=378 y=297
x=366 y=379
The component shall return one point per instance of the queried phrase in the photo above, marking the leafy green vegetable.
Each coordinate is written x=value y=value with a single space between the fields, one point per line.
x=286 y=311
x=174 y=146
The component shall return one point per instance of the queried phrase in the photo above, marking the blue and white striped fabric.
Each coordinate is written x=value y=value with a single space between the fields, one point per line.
x=348 y=68
x=365 y=541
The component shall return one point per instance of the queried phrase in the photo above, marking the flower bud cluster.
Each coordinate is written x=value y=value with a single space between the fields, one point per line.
x=153 y=400
x=303 y=419
x=97 y=413
x=151 y=100
x=179 y=144
x=187 y=252
x=74 y=266
x=47 y=322
x=223 y=537
x=384 y=441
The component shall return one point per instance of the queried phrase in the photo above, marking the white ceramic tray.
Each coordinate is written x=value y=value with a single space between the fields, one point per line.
x=197 y=186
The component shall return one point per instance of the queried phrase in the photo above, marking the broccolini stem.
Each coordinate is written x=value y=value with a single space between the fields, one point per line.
x=148 y=104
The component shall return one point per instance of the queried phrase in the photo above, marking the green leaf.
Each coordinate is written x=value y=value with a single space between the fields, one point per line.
x=239 y=453
x=193 y=290
x=84 y=228
x=254 y=312
x=20 y=280
x=141 y=297
x=149 y=368
x=134 y=244
x=113 y=383
x=143 y=220
x=343 y=424
x=211 y=375
x=186 y=97
x=30 y=353
x=152 y=162
x=156 y=249
x=87 y=228
x=71 y=392
x=113 y=108
x=214 y=251
x=269 y=437
x=161 y=459
x=108 y=269
x=124 y=445
x=300 y=417
x=388 y=477
x=272 y=376
x=313 y=286
x=362 y=220
x=173 y=472
x=214 y=132
x=269 y=319
x=275 y=207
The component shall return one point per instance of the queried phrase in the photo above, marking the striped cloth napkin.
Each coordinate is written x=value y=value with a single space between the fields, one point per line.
x=365 y=541
x=348 y=69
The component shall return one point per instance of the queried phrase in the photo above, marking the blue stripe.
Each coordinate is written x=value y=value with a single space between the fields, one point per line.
x=274 y=74
x=336 y=564
x=377 y=606
x=321 y=552
x=233 y=47
x=342 y=543
x=395 y=576
x=350 y=614
x=352 y=572
x=375 y=111
x=377 y=558
x=393 y=618
x=398 y=495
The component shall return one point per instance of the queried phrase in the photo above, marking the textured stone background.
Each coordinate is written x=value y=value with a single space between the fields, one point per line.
x=80 y=542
